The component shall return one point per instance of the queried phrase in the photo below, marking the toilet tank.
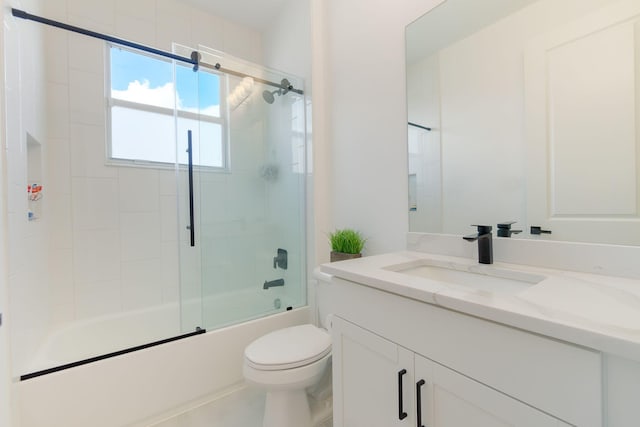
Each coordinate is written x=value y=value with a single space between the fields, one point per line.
x=324 y=307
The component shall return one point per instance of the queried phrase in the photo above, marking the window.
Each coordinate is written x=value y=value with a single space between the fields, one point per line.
x=152 y=101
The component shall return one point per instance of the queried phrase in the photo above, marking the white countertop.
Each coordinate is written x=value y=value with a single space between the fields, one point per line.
x=591 y=310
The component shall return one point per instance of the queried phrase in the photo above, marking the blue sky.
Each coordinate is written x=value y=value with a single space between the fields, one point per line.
x=127 y=67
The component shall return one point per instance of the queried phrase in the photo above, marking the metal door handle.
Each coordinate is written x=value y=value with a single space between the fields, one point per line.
x=419 y=385
x=191 y=227
x=401 y=414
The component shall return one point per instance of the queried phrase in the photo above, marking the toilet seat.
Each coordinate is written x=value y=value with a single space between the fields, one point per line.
x=288 y=348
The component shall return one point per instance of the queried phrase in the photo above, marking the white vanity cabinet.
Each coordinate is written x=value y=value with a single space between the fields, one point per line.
x=379 y=383
x=476 y=373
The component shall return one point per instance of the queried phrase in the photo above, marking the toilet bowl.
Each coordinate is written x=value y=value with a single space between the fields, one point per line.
x=287 y=363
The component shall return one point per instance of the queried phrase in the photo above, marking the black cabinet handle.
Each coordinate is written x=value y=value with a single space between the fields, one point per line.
x=401 y=414
x=191 y=227
x=419 y=385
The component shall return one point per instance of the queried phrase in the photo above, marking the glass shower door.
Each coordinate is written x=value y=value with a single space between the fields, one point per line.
x=249 y=253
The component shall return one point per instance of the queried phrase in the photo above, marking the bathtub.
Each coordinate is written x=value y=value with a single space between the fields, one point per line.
x=96 y=336
x=137 y=386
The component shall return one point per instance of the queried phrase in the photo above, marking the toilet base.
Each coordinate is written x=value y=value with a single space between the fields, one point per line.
x=287 y=408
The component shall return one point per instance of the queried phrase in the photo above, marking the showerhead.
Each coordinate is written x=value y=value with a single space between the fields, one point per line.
x=285 y=87
x=269 y=96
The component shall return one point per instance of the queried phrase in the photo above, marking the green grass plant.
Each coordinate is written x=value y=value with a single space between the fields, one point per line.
x=347 y=241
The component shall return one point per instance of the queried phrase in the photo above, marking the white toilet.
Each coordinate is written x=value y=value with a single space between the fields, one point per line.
x=286 y=363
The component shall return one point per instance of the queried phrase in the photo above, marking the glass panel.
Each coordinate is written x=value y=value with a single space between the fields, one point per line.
x=256 y=209
x=207 y=140
x=153 y=142
x=95 y=266
x=198 y=92
x=141 y=78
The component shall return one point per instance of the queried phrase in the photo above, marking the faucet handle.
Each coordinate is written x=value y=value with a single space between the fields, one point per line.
x=537 y=230
x=504 y=229
x=483 y=229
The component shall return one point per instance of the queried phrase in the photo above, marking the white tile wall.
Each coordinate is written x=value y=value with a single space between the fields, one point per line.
x=96 y=256
x=112 y=231
x=86 y=97
x=87 y=152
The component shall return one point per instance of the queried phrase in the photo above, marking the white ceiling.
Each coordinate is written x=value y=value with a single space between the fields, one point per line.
x=255 y=14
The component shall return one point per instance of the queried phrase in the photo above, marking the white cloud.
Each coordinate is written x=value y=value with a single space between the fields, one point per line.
x=161 y=96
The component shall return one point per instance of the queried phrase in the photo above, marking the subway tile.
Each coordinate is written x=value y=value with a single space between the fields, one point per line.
x=96 y=255
x=86 y=54
x=61 y=277
x=88 y=152
x=86 y=97
x=101 y=299
x=138 y=189
x=168 y=182
x=207 y=29
x=140 y=30
x=173 y=24
x=55 y=9
x=170 y=272
x=17 y=256
x=57 y=55
x=169 y=218
x=141 y=287
x=96 y=15
x=95 y=203
x=142 y=273
x=57 y=178
x=143 y=9
x=140 y=236
x=59 y=214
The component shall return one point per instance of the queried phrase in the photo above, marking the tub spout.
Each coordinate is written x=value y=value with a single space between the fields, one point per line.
x=272 y=283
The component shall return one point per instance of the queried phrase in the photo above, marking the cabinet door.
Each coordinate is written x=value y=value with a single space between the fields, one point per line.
x=367 y=372
x=449 y=399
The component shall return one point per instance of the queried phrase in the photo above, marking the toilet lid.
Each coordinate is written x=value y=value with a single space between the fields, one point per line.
x=288 y=348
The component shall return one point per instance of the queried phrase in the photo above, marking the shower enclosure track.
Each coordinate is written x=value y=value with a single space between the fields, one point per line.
x=24 y=377
x=193 y=60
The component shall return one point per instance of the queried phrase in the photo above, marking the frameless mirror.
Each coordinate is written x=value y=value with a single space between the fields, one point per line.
x=525 y=111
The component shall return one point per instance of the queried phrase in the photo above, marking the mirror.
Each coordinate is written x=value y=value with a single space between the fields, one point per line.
x=525 y=111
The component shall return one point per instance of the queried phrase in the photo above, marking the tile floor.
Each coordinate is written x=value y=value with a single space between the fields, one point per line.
x=243 y=408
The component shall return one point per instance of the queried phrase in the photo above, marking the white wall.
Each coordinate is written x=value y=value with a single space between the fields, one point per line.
x=365 y=63
x=28 y=259
x=5 y=376
x=120 y=251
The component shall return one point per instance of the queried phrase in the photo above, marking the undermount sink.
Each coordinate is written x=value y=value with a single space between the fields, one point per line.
x=478 y=277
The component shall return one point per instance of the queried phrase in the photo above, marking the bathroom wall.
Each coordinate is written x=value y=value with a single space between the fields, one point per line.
x=5 y=375
x=120 y=252
x=367 y=117
x=26 y=148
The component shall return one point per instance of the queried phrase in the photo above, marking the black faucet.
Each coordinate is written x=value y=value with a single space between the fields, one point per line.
x=272 y=283
x=504 y=229
x=485 y=243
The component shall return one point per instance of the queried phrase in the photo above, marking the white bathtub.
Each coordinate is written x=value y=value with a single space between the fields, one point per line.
x=97 y=336
x=130 y=388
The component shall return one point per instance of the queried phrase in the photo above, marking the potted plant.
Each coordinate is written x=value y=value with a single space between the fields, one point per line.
x=346 y=244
